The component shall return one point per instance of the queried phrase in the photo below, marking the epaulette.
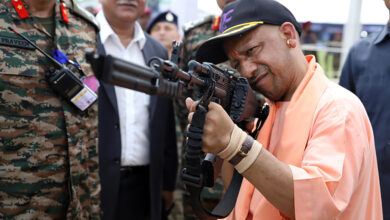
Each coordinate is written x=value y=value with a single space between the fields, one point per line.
x=76 y=9
x=216 y=22
x=192 y=24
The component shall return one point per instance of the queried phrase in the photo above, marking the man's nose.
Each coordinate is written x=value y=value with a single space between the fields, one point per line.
x=248 y=69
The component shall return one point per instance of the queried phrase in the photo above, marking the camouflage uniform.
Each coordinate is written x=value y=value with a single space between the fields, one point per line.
x=195 y=33
x=48 y=148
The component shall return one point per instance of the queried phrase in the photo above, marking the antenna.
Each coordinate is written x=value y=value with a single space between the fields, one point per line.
x=36 y=47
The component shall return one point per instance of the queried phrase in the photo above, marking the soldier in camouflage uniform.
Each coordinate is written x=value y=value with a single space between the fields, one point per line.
x=48 y=147
x=195 y=33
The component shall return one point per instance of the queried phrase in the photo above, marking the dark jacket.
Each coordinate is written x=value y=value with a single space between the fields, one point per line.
x=163 y=150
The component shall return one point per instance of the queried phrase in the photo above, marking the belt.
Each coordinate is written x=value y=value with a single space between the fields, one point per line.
x=134 y=169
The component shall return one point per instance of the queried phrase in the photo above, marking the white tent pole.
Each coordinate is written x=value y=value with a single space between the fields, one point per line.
x=352 y=28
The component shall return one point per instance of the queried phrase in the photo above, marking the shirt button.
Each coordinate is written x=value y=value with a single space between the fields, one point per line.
x=116 y=125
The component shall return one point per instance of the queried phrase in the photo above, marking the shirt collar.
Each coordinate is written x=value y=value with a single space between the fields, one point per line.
x=383 y=34
x=106 y=30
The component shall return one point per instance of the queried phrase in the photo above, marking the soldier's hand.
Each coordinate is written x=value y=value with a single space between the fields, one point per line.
x=217 y=128
x=168 y=199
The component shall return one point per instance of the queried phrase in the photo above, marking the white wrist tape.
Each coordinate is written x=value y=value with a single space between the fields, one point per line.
x=242 y=151
x=236 y=139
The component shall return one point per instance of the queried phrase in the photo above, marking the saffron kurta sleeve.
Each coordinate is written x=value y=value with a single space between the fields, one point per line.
x=338 y=177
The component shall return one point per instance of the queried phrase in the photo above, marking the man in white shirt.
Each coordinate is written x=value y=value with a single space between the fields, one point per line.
x=137 y=142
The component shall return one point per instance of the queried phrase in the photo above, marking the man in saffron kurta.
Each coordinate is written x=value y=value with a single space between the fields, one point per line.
x=315 y=156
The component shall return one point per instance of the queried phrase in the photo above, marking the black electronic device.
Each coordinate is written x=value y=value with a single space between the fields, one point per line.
x=65 y=82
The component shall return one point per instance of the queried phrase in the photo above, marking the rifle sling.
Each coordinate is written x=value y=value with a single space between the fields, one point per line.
x=224 y=207
x=194 y=178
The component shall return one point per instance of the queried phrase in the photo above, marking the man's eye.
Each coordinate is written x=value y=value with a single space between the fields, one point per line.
x=250 y=51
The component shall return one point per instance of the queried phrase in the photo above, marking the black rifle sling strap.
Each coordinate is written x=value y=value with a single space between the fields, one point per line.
x=193 y=177
x=191 y=174
x=225 y=205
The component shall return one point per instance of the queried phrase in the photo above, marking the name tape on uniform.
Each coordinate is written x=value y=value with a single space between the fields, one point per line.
x=14 y=42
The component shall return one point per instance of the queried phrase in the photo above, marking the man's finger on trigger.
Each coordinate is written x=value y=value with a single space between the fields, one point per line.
x=192 y=107
x=189 y=103
x=190 y=115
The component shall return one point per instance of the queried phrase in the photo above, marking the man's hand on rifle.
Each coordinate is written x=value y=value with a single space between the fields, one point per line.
x=217 y=128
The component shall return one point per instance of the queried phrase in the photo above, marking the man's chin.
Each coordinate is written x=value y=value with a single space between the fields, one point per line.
x=257 y=87
x=127 y=16
x=262 y=91
x=164 y=43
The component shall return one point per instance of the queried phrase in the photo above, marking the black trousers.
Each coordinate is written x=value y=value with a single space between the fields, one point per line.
x=134 y=195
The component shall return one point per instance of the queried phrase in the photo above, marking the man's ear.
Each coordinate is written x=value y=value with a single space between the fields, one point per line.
x=289 y=34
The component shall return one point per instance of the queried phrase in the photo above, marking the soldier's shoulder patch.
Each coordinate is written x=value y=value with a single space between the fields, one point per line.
x=81 y=12
x=192 y=24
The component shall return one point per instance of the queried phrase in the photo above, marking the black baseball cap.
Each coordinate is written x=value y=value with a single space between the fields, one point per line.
x=240 y=17
x=166 y=16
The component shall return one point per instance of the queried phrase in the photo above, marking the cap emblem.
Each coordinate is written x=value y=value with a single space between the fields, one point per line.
x=225 y=19
x=169 y=17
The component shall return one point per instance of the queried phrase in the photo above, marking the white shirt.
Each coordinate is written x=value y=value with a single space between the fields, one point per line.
x=133 y=106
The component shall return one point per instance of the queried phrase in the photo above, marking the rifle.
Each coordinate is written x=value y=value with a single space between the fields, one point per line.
x=165 y=78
